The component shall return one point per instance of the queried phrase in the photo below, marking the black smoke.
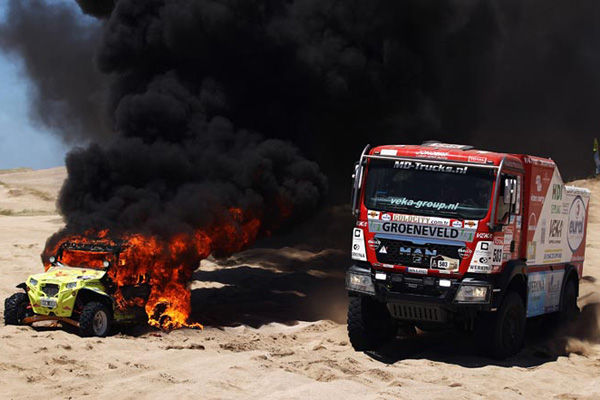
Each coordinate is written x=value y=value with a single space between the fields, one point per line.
x=57 y=49
x=329 y=76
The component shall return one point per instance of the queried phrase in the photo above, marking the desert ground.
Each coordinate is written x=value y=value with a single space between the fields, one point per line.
x=274 y=329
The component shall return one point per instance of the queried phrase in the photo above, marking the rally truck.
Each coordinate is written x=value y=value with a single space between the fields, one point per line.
x=447 y=235
x=75 y=289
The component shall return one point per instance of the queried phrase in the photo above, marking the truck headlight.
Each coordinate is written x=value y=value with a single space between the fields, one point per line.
x=359 y=283
x=71 y=285
x=472 y=294
x=33 y=282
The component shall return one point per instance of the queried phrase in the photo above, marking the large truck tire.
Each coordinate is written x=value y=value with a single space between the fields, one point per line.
x=95 y=320
x=569 y=310
x=15 y=309
x=369 y=323
x=501 y=334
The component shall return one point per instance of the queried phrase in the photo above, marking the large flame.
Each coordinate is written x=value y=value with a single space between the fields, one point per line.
x=166 y=266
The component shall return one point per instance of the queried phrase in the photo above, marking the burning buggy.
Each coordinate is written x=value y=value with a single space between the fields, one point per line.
x=76 y=289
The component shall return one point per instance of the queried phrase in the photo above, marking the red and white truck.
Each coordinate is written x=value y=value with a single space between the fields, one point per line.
x=449 y=235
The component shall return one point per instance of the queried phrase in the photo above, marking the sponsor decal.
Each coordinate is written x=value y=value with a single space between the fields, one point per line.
x=555 y=209
x=386 y=217
x=389 y=152
x=556 y=227
x=480 y=269
x=532 y=222
x=412 y=270
x=387 y=265
x=471 y=224
x=557 y=191
x=538 y=183
x=477 y=159
x=531 y=252
x=498 y=240
x=415 y=219
x=421 y=230
x=484 y=235
x=358 y=245
x=551 y=256
x=465 y=252
x=373 y=214
x=443 y=263
x=497 y=256
x=419 y=166
x=382 y=250
x=537 y=199
x=519 y=221
x=440 y=155
x=576 y=223
x=457 y=224
x=509 y=230
x=374 y=243
x=361 y=224
x=434 y=205
x=543 y=233
x=543 y=292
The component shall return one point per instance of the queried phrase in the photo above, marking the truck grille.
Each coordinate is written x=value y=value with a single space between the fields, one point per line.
x=415 y=312
x=402 y=252
x=50 y=289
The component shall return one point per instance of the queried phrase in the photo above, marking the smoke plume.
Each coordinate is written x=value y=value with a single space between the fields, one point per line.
x=57 y=50
x=329 y=76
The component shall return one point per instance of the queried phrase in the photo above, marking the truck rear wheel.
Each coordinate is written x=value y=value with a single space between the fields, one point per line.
x=501 y=334
x=569 y=309
x=15 y=309
x=95 y=320
x=369 y=323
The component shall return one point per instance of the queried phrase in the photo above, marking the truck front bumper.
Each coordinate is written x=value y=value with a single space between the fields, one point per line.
x=422 y=298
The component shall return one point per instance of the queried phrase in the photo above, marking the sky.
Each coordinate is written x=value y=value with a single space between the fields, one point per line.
x=23 y=143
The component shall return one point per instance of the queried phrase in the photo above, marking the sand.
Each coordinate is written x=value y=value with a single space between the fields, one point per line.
x=274 y=319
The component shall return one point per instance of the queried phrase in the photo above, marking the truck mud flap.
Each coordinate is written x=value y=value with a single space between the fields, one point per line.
x=417 y=312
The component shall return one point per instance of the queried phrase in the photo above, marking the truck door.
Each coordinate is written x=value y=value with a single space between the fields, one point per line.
x=507 y=241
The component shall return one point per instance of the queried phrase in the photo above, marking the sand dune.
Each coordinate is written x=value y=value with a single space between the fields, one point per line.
x=275 y=329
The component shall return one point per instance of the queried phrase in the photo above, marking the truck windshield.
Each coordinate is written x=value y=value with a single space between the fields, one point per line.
x=428 y=188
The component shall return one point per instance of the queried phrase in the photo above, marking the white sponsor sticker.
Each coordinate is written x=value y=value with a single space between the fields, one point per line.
x=416 y=219
x=413 y=270
x=465 y=235
x=576 y=226
x=358 y=245
x=388 y=152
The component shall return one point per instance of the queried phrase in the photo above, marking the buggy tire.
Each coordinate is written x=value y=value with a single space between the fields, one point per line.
x=95 y=320
x=501 y=334
x=15 y=309
x=369 y=324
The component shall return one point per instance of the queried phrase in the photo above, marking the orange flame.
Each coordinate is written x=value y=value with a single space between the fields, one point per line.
x=166 y=266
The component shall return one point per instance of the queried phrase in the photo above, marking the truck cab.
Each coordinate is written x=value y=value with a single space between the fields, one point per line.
x=450 y=235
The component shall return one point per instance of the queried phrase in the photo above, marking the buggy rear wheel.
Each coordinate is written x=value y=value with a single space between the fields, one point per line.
x=95 y=320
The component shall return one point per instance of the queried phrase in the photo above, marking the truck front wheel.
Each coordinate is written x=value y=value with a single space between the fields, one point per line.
x=502 y=333
x=15 y=309
x=369 y=323
x=95 y=320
